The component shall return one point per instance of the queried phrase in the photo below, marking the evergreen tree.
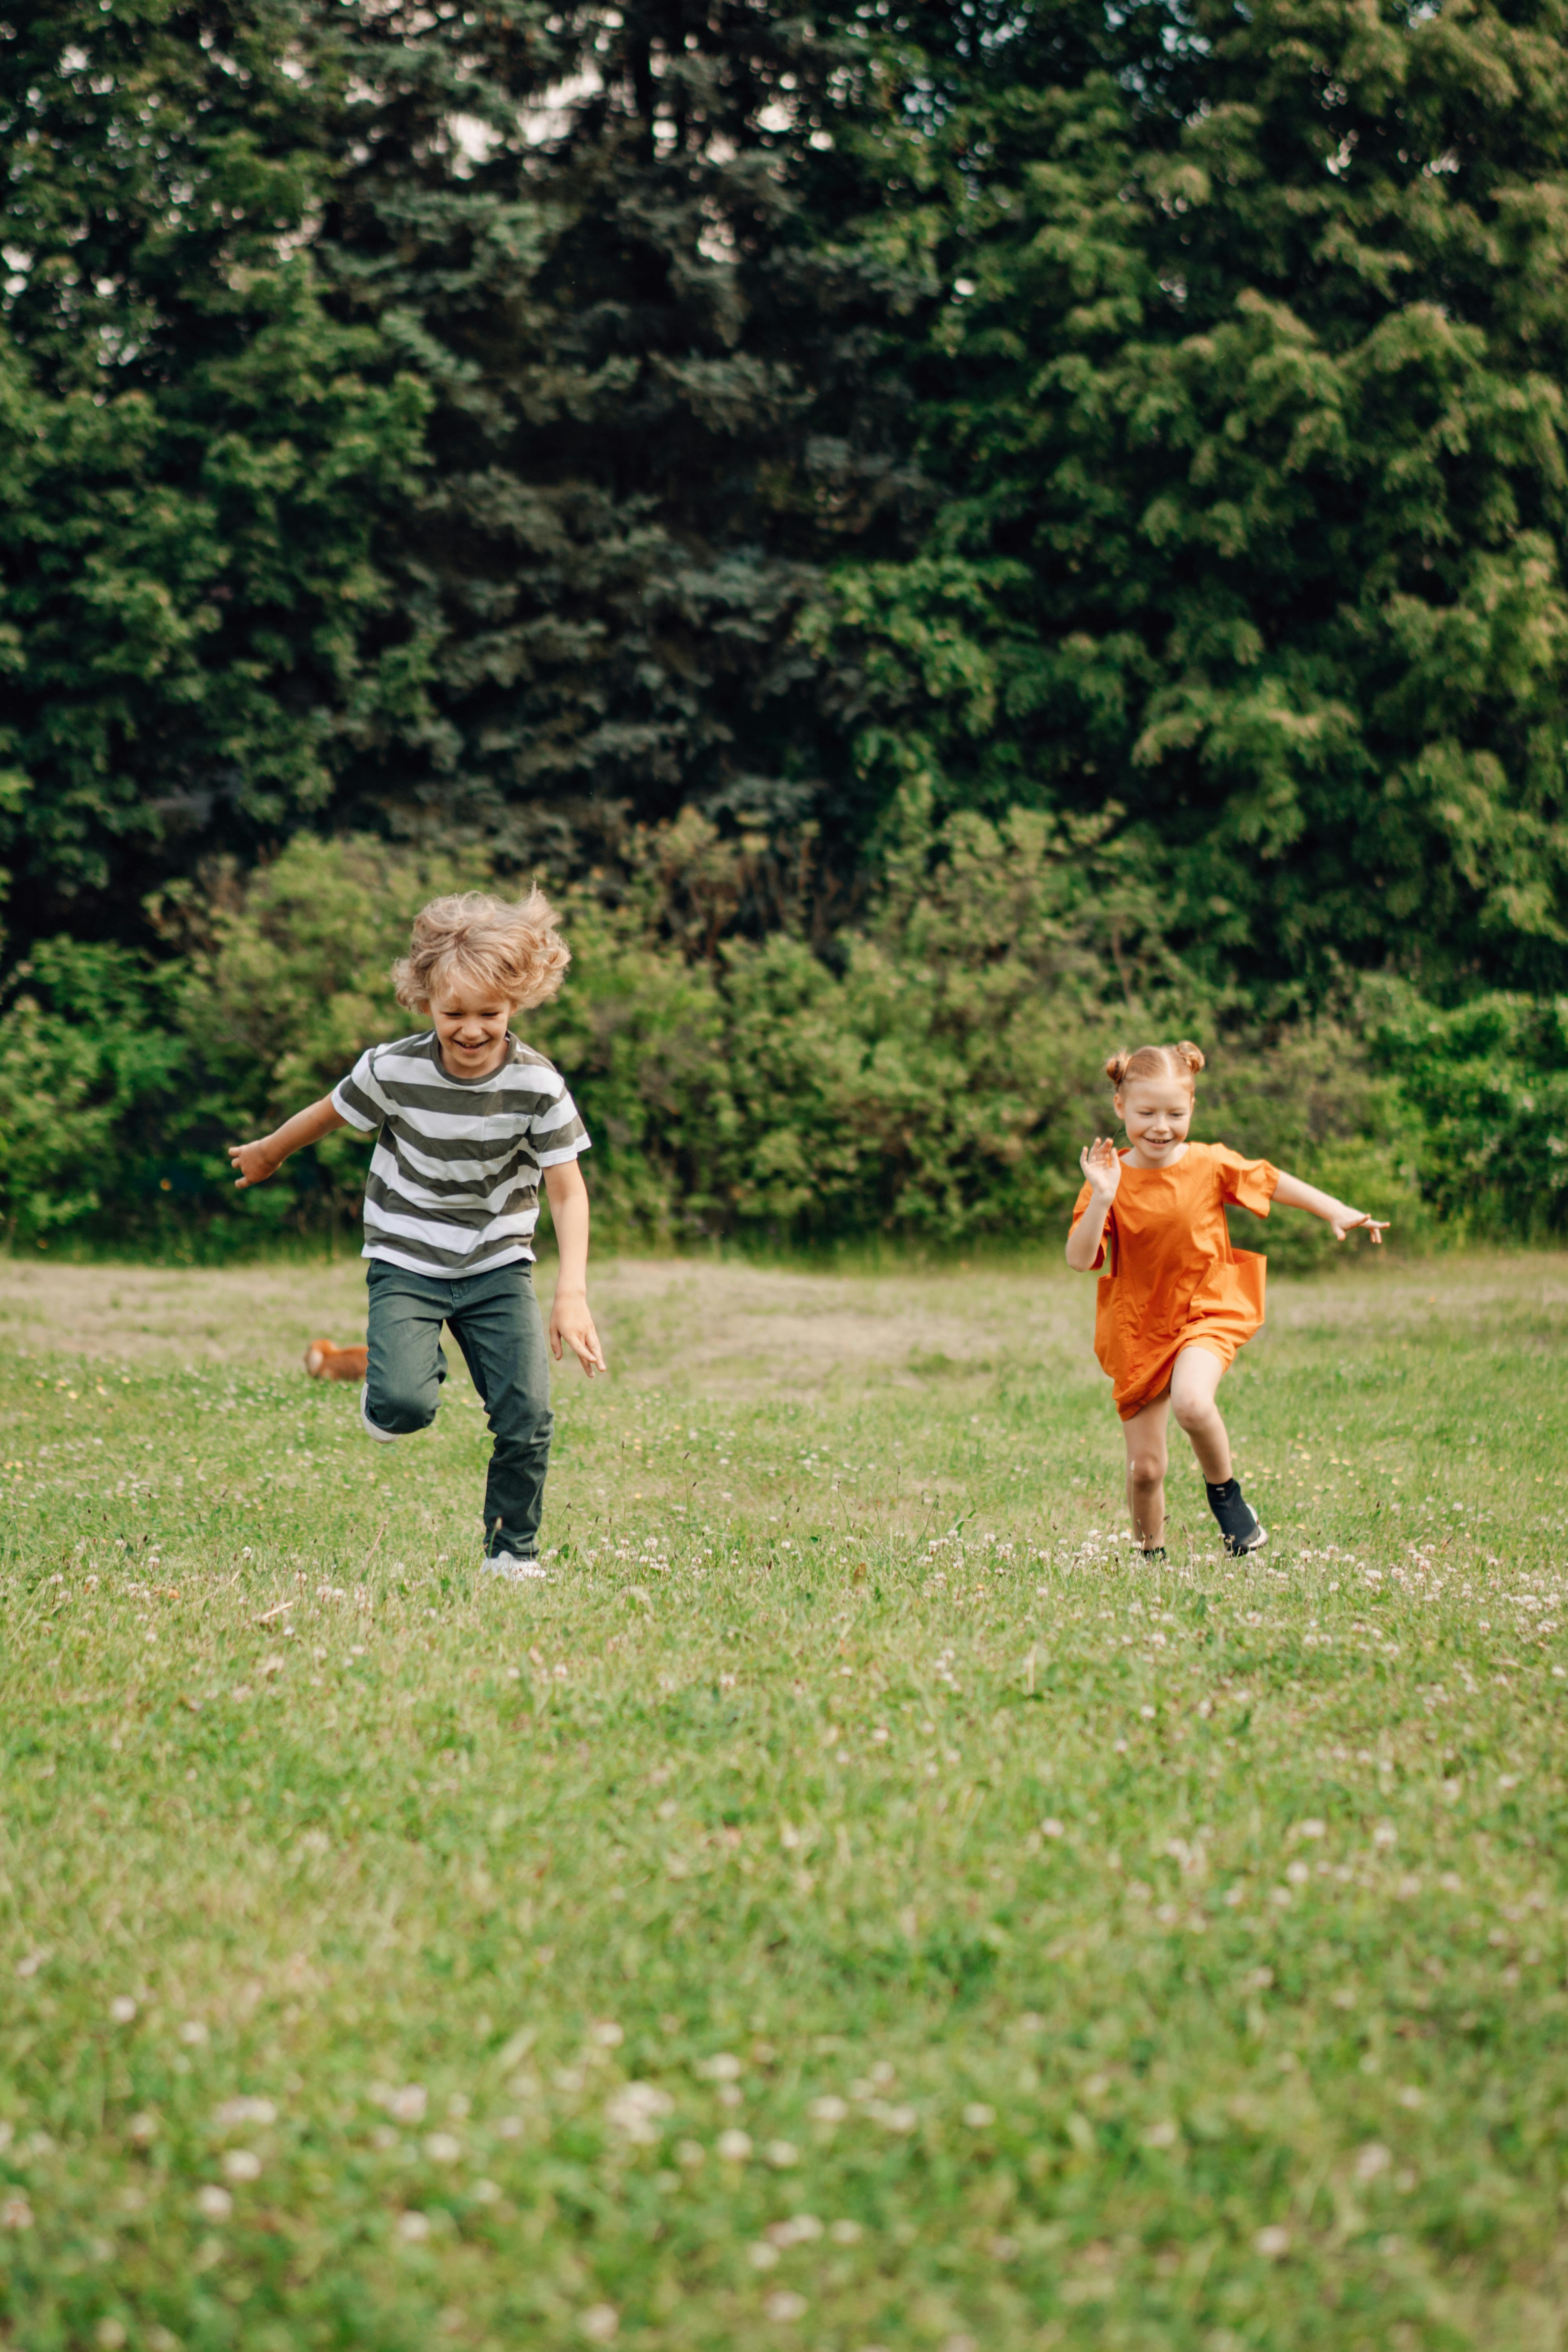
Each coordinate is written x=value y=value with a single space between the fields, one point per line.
x=667 y=393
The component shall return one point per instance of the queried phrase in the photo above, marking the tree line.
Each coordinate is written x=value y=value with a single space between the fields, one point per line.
x=499 y=423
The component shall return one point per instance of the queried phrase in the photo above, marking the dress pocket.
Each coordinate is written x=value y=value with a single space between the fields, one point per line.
x=1251 y=1271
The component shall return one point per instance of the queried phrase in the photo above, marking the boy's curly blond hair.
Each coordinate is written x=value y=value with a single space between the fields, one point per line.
x=514 y=949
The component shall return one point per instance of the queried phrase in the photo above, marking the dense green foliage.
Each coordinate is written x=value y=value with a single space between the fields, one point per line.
x=483 y=422
x=931 y=1083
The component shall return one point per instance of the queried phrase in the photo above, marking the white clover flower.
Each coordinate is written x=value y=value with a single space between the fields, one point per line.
x=784 y=2304
x=734 y=2146
x=215 y=2204
x=407 y=2105
x=781 y=2154
x=761 y=2256
x=413 y=2228
x=977 y=2115
x=243 y=2110
x=123 y=2009
x=600 y=2322
x=637 y=2109
x=1372 y=2159
x=1273 y=2242
x=16 y=2213
x=242 y=2164
x=443 y=2147
x=828 y=2109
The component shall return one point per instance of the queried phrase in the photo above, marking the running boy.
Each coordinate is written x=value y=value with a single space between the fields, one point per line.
x=1175 y=1300
x=470 y=1119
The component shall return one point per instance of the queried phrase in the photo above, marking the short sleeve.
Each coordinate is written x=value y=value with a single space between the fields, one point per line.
x=1248 y=1182
x=1079 y=1206
x=358 y=1098
x=557 y=1132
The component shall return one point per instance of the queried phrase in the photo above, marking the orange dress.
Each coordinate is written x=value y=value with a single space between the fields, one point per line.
x=1172 y=1279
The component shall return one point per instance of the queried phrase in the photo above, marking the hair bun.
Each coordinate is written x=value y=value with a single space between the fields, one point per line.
x=1185 y=1061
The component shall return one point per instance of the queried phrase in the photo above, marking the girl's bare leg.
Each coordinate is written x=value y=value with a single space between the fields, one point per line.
x=1198 y=1373
x=1146 y=1459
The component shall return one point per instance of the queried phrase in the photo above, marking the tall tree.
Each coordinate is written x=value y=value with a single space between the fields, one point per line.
x=669 y=390
x=197 y=461
x=1246 y=398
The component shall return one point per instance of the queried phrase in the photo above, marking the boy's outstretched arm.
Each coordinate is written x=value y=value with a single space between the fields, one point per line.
x=255 y=1162
x=570 y=1325
x=1344 y=1220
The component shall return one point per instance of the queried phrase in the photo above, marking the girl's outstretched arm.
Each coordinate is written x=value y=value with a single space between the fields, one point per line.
x=1102 y=1167
x=1342 y=1218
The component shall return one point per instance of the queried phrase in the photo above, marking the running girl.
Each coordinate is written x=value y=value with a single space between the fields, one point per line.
x=1175 y=1300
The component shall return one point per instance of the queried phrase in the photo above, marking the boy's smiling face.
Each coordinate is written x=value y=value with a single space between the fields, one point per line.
x=470 y=1022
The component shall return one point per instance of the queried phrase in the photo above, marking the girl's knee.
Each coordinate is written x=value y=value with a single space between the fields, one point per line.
x=1147 y=1469
x=1194 y=1412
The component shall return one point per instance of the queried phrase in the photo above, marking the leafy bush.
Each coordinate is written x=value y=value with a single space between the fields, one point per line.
x=929 y=1078
x=87 y=1063
x=1489 y=1084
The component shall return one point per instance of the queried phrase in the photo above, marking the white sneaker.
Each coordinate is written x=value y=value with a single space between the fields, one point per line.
x=382 y=1436
x=515 y=1570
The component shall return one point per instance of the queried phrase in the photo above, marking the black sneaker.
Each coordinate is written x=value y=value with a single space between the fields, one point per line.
x=1239 y=1523
x=1151 y=1551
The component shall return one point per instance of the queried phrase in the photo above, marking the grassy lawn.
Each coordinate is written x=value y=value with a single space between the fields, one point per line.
x=852 y=1904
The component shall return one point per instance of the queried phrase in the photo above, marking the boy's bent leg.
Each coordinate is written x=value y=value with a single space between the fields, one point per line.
x=499 y=1331
x=406 y=1367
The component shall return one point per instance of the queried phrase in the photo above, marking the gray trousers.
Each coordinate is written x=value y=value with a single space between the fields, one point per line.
x=494 y=1318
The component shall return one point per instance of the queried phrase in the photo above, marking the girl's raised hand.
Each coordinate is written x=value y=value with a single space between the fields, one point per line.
x=1349 y=1221
x=1102 y=1165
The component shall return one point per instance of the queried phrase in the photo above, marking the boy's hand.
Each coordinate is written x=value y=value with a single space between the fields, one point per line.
x=1102 y=1165
x=571 y=1326
x=253 y=1163
x=1349 y=1221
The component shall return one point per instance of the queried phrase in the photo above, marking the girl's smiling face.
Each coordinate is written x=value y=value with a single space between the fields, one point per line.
x=1156 y=1113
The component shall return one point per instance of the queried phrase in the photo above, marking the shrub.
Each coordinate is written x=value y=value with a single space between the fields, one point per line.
x=930 y=1079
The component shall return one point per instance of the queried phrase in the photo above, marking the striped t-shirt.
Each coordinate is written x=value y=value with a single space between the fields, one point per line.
x=453 y=1188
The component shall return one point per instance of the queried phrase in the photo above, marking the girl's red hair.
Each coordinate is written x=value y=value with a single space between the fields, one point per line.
x=1182 y=1061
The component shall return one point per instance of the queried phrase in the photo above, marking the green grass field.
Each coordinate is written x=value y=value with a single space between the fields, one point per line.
x=851 y=1905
